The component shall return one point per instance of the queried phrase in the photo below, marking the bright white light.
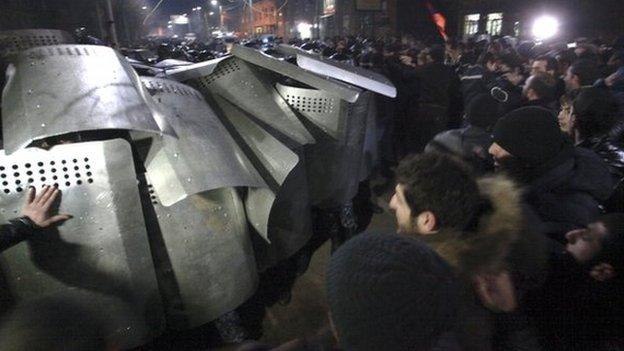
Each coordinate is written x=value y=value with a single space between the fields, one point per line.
x=304 y=30
x=177 y=19
x=170 y=26
x=198 y=8
x=214 y=2
x=144 y=7
x=211 y=13
x=545 y=27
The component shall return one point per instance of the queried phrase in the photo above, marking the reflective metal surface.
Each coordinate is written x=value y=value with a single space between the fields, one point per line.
x=280 y=214
x=274 y=161
x=250 y=89
x=204 y=157
x=326 y=111
x=102 y=251
x=343 y=91
x=353 y=75
x=210 y=253
x=184 y=72
x=61 y=89
x=334 y=164
x=290 y=219
x=14 y=41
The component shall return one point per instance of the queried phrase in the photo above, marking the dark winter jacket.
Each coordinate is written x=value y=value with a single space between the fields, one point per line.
x=613 y=156
x=504 y=239
x=550 y=105
x=439 y=84
x=572 y=311
x=16 y=231
x=475 y=81
x=568 y=195
x=508 y=94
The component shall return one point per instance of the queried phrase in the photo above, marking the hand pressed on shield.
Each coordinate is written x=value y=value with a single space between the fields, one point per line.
x=37 y=207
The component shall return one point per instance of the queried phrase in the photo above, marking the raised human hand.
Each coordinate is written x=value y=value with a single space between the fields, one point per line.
x=37 y=207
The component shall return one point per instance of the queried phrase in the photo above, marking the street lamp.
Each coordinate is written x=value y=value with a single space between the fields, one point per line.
x=214 y=2
x=211 y=13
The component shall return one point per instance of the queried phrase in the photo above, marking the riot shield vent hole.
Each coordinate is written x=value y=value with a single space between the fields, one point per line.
x=153 y=197
x=311 y=104
x=224 y=69
x=20 y=43
x=79 y=174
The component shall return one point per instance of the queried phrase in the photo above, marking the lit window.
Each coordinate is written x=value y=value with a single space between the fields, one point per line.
x=471 y=24
x=494 y=23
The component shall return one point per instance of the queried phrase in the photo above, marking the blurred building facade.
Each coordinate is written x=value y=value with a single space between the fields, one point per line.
x=587 y=18
x=268 y=18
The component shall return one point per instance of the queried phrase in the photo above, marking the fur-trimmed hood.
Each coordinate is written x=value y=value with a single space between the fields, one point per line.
x=486 y=247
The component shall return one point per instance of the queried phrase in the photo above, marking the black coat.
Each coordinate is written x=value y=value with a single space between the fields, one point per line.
x=572 y=311
x=440 y=84
x=613 y=156
x=568 y=195
x=14 y=232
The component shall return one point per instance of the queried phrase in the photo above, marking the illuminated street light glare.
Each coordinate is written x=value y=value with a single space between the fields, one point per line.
x=144 y=8
x=545 y=27
x=214 y=2
x=211 y=13
x=304 y=30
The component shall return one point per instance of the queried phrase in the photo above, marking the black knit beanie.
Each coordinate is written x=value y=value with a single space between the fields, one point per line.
x=530 y=134
x=389 y=292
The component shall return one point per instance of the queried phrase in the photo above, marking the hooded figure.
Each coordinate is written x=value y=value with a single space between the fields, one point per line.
x=563 y=185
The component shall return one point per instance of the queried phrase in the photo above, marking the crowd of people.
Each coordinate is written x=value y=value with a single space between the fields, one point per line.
x=510 y=167
x=507 y=162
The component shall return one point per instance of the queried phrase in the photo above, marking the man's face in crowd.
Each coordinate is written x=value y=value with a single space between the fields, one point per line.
x=571 y=81
x=513 y=75
x=584 y=244
x=565 y=118
x=402 y=211
x=539 y=66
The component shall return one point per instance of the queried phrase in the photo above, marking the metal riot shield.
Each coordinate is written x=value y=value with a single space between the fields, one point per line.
x=199 y=216
x=61 y=89
x=281 y=213
x=333 y=163
x=183 y=73
x=258 y=58
x=205 y=157
x=102 y=251
x=210 y=254
x=358 y=76
x=327 y=112
x=247 y=87
x=14 y=41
